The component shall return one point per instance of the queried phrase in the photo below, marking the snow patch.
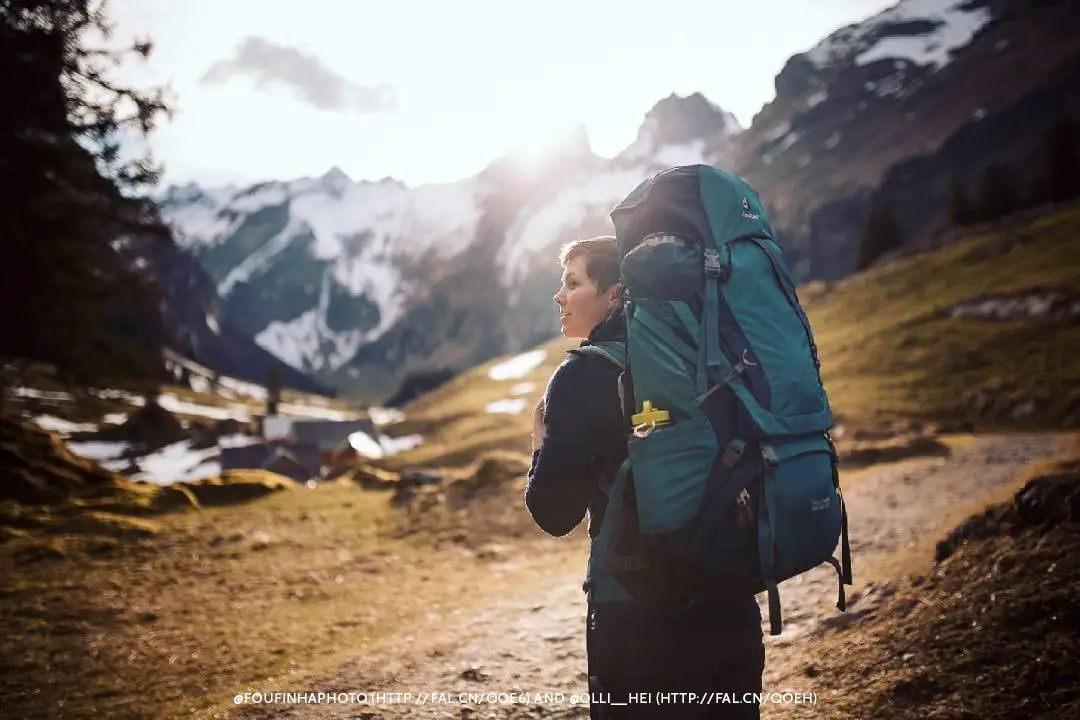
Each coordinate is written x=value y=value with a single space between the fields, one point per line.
x=98 y=450
x=260 y=259
x=307 y=343
x=518 y=366
x=260 y=196
x=522 y=388
x=62 y=426
x=238 y=440
x=953 y=27
x=776 y=133
x=789 y=140
x=316 y=412
x=891 y=85
x=54 y=396
x=815 y=99
x=511 y=407
x=369 y=447
x=365 y=445
x=1040 y=305
x=201 y=219
x=242 y=387
x=178 y=463
x=393 y=446
x=123 y=395
x=175 y=405
x=385 y=416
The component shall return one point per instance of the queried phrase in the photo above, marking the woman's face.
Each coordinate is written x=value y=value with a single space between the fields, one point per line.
x=581 y=305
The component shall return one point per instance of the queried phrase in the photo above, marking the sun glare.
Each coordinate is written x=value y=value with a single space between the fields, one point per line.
x=539 y=141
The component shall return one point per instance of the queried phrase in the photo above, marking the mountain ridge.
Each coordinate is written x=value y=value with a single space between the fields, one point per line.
x=361 y=283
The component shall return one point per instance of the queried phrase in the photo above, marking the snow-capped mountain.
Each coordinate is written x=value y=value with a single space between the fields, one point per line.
x=318 y=268
x=334 y=254
x=364 y=282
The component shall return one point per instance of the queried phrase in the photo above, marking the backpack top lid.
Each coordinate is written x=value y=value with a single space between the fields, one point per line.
x=700 y=202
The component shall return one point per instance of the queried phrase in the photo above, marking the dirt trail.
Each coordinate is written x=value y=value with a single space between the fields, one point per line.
x=534 y=641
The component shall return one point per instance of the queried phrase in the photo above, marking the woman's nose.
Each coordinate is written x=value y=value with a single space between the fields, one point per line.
x=559 y=298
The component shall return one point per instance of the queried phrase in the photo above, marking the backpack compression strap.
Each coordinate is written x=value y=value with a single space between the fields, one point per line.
x=607 y=560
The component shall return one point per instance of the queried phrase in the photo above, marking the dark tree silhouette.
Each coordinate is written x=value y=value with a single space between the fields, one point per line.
x=960 y=209
x=74 y=216
x=999 y=195
x=881 y=233
x=1063 y=163
x=273 y=391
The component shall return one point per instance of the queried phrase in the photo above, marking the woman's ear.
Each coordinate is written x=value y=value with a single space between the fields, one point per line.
x=614 y=295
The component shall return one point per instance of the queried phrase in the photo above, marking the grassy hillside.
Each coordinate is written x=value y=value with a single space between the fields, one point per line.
x=891 y=353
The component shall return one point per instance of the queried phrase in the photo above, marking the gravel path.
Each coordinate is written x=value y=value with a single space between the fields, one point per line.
x=533 y=642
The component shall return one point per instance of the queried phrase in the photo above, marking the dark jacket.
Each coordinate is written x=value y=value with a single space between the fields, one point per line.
x=585 y=440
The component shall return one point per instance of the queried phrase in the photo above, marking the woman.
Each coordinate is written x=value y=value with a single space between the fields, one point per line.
x=680 y=632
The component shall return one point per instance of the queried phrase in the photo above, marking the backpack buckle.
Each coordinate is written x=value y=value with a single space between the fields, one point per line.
x=713 y=266
x=733 y=453
x=770 y=457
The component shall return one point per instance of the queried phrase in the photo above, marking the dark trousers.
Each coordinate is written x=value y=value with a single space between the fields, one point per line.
x=714 y=650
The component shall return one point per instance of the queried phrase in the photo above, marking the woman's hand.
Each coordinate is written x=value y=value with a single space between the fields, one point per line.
x=539 y=426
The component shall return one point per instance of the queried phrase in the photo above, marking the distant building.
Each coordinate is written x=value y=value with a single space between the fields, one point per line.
x=296 y=461
x=305 y=449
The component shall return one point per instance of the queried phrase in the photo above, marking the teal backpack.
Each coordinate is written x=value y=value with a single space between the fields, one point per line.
x=730 y=463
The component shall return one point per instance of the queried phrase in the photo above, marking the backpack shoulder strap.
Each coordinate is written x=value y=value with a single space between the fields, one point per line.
x=611 y=350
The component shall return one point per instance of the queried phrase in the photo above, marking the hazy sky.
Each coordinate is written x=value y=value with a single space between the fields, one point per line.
x=432 y=90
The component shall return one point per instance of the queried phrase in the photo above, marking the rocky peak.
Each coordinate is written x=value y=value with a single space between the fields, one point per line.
x=678 y=120
x=336 y=176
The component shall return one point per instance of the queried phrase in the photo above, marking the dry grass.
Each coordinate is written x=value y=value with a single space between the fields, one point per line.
x=992 y=631
x=114 y=606
x=188 y=611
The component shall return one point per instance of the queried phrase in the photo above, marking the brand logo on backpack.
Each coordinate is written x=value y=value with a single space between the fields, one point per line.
x=747 y=212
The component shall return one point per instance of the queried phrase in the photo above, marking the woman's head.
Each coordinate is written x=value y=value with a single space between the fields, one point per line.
x=590 y=284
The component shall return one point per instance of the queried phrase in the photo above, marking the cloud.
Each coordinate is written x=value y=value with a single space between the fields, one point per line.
x=318 y=85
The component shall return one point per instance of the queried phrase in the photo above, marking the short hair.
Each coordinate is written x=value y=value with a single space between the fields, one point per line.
x=601 y=259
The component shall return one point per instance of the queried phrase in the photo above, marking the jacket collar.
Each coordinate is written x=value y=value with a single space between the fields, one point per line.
x=612 y=327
